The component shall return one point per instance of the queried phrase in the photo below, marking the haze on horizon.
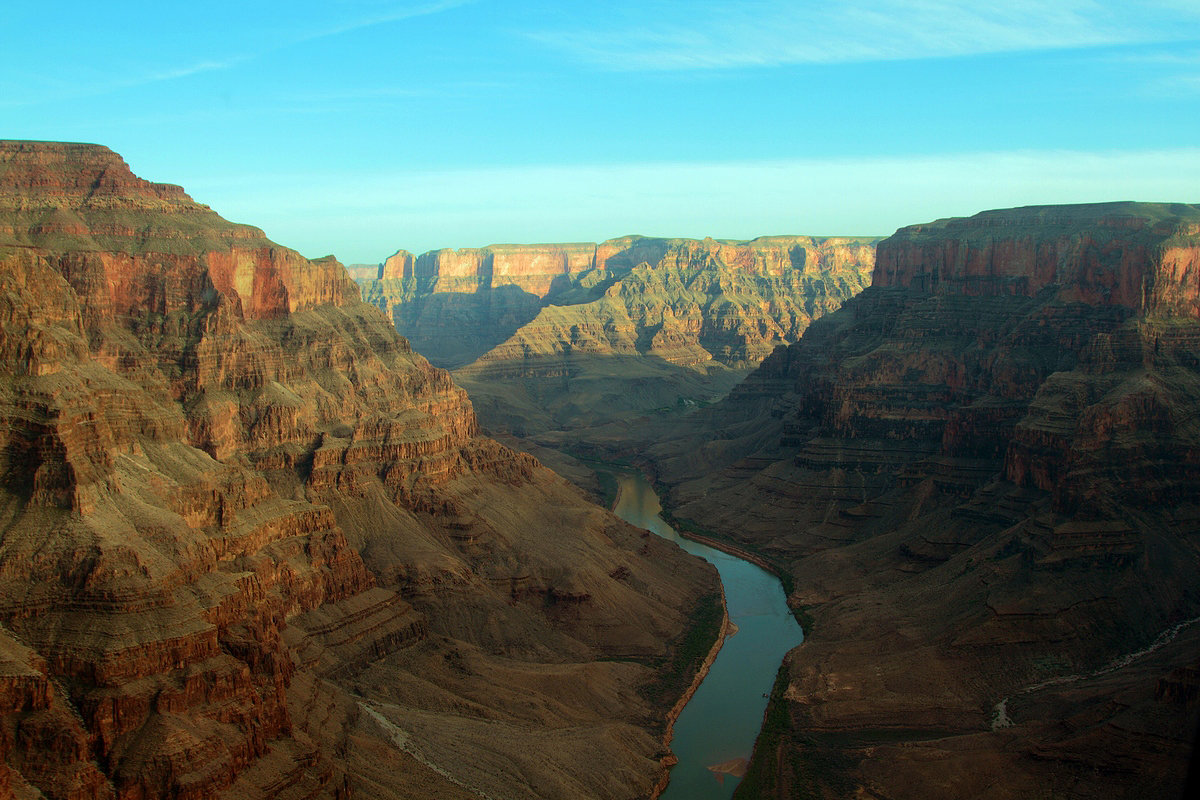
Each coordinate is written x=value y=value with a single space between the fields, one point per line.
x=360 y=126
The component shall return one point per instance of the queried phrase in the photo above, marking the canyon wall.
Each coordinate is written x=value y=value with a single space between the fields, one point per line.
x=568 y=343
x=251 y=544
x=1140 y=256
x=456 y=305
x=545 y=269
x=980 y=476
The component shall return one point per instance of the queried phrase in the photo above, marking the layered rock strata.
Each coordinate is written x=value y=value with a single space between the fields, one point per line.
x=981 y=476
x=556 y=342
x=252 y=546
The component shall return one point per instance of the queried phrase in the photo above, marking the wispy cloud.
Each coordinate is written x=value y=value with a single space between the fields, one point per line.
x=275 y=42
x=673 y=35
x=325 y=32
x=1178 y=86
x=1184 y=58
x=395 y=15
x=174 y=73
x=1174 y=73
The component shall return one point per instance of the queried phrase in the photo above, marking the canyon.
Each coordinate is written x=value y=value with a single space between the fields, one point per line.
x=980 y=479
x=252 y=545
x=560 y=345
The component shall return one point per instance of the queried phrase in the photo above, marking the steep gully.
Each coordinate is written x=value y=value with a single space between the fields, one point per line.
x=1000 y=718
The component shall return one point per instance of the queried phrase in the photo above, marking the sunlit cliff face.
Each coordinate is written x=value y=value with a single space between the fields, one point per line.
x=244 y=524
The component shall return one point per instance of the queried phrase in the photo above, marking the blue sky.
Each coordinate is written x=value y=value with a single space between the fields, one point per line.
x=361 y=126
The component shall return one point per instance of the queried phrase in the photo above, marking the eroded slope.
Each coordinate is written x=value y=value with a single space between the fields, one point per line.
x=251 y=544
x=981 y=476
x=562 y=343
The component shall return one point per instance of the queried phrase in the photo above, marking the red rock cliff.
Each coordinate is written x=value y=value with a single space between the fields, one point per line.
x=228 y=488
x=534 y=268
x=127 y=233
x=1143 y=256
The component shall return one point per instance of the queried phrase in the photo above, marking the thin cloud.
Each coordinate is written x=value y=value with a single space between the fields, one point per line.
x=1173 y=73
x=1178 y=86
x=677 y=36
x=360 y=23
x=381 y=19
x=278 y=43
x=186 y=71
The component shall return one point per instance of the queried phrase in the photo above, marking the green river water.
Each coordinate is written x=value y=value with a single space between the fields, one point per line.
x=723 y=719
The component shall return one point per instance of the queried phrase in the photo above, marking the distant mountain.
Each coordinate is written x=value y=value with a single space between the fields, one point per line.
x=981 y=477
x=567 y=337
x=363 y=272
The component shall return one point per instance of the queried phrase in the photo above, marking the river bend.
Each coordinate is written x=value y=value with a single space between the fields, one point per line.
x=720 y=723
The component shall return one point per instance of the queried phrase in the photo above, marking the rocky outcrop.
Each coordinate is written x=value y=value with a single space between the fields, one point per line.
x=458 y=304
x=545 y=269
x=1140 y=256
x=248 y=534
x=364 y=272
x=981 y=475
x=565 y=343
x=531 y=268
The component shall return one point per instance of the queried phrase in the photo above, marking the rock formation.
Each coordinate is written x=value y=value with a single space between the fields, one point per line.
x=364 y=272
x=981 y=478
x=554 y=343
x=252 y=546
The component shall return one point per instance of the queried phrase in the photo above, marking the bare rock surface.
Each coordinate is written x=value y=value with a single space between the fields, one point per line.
x=565 y=343
x=981 y=476
x=251 y=544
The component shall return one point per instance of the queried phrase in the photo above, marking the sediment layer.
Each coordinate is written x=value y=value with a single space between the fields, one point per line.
x=574 y=342
x=981 y=474
x=254 y=547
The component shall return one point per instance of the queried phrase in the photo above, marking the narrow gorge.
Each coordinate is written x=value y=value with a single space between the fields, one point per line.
x=715 y=732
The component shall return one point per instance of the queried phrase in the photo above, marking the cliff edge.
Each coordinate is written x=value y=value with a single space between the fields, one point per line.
x=981 y=477
x=252 y=545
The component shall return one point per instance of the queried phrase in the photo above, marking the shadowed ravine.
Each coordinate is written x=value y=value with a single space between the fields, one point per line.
x=720 y=723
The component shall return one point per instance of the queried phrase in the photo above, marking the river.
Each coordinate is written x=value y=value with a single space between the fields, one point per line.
x=723 y=718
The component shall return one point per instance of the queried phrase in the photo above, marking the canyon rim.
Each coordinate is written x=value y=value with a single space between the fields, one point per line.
x=255 y=545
